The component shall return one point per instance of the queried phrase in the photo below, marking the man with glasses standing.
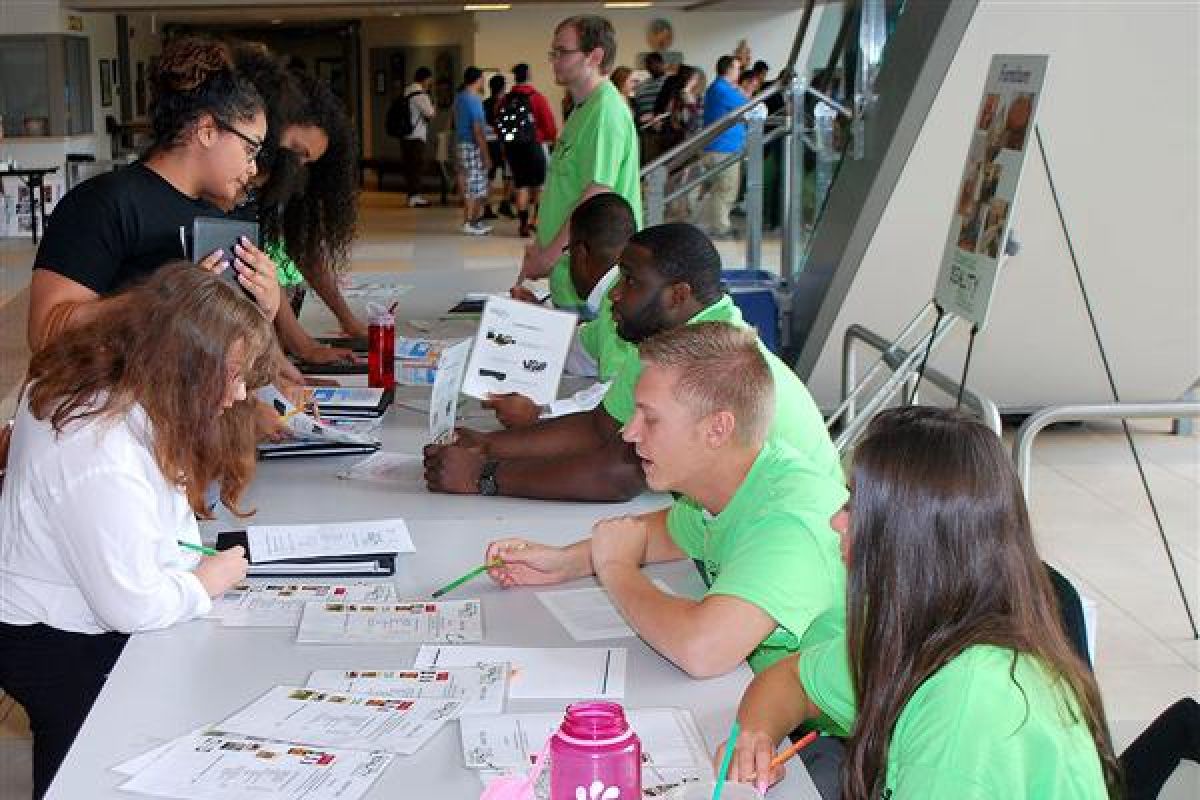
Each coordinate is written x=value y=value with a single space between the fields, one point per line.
x=597 y=151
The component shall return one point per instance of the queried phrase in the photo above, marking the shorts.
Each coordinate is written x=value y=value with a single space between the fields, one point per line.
x=527 y=160
x=496 y=151
x=470 y=166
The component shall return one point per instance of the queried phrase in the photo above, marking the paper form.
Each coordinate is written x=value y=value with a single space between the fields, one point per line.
x=521 y=348
x=279 y=605
x=481 y=688
x=365 y=537
x=218 y=766
x=408 y=622
x=321 y=718
x=392 y=468
x=443 y=402
x=589 y=614
x=673 y=751
x=556 y=673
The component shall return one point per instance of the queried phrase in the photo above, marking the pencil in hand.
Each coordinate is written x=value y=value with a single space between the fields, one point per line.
x=482 y=568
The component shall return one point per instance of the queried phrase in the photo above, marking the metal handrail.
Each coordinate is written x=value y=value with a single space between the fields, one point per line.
x=710 y=132
x=1023 y=443
x=893 y=355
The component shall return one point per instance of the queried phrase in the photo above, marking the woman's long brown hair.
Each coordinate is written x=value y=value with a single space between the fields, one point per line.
x=163 y=344
x=943 y=559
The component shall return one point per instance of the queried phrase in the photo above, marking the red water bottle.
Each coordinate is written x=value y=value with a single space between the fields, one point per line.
x=381 y=348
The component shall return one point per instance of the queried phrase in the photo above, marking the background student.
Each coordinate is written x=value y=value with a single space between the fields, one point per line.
x=120 y=429
x=208 y=126
x=304 y=194
x=966 y=684
x=753 y=513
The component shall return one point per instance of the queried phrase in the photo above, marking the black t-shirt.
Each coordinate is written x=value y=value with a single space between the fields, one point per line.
x=117 y=227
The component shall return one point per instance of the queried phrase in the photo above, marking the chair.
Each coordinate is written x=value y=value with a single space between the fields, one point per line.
x=1070 y=607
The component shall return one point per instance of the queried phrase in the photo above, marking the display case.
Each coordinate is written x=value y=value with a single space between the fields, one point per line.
x=45 y=85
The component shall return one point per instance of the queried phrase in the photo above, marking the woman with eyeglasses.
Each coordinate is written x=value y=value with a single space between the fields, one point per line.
x=208 y=126
x=953 y=677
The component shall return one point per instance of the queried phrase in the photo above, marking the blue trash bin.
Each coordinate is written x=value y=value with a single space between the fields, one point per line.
x=756 y=294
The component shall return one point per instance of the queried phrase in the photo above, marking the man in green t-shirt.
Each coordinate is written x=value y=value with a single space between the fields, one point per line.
x=752 y=513
x=670 y=276
x=596 y=152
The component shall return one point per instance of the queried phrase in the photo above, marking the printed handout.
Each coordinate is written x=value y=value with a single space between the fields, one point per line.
x=321 y=718
x=279 y=605
x=443 y=402
x=589 y=614
x=519 y=348
x=365 y=537
x=219 y=766
x=481 y=687
x=407 y=622
x=556 y=673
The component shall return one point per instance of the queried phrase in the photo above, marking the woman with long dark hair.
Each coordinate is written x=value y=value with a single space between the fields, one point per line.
x=305 y=193
x=122 y=426
x=209 y=126
x=954 y=677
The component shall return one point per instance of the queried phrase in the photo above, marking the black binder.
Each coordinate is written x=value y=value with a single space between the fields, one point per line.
x=351 y=566
x=292 y=449
x=356 y=343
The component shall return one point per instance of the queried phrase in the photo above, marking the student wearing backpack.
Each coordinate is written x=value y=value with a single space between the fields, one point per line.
x=525 y=124
x=408 y=120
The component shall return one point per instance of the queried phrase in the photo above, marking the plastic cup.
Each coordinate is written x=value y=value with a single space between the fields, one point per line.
x=703 y=790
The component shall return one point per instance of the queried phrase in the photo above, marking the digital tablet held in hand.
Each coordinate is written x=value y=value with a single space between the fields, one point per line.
x=210 y=234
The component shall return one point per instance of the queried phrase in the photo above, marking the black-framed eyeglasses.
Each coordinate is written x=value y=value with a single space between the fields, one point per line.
x=560 y=52
x=256 y=145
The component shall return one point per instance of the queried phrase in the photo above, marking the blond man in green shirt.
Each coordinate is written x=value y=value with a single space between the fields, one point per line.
x=596 y=152
x=752 y=513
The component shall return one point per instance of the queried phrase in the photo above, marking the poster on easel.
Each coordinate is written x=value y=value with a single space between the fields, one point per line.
x=983 y=208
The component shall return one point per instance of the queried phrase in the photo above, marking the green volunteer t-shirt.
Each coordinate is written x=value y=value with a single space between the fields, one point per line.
x=600 y=339
x=978 y=728
x=599 y=145
x=797 y=420
x=771 y=546
x=285 y=268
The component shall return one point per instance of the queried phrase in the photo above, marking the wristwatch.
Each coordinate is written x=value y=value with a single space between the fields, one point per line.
x=487 y=479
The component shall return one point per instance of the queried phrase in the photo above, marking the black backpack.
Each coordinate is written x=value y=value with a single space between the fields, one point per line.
x=514 y=119
x=399 y=122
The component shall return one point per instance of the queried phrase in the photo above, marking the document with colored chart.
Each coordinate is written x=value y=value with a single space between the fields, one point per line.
x=481 y=687
x=322 y=718
x=279 y=605
x=555 y=673
x=405 y=622
x=221 y=766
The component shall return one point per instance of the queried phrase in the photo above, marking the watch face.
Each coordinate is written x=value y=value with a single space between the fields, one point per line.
x=487 y=485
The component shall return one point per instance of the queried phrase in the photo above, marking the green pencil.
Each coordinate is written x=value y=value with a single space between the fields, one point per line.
x=449 y=587
x=197 y=548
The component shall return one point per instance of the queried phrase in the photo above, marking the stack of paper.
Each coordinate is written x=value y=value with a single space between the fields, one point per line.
x=391 y=623
x=673 y=750
x=556 y=673
x=368 y=547
x=321 y=718
x=211 y=765
x=280 y=605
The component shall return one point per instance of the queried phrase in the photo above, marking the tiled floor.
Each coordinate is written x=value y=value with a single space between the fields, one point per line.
x=1089 y=512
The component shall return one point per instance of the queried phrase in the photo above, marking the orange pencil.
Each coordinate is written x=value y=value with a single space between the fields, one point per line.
x=803 y=742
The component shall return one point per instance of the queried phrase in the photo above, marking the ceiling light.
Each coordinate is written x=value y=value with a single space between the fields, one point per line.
x=628 y=5
x=487 y=6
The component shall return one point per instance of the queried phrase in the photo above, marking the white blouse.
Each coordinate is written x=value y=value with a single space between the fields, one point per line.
x=89 y=529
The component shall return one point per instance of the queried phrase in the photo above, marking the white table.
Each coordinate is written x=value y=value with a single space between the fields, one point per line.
x=169 y=682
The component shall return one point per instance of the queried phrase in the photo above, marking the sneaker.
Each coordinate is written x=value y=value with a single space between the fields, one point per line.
x=416 y=201
x=488 y=213
x=476 y=229
x=506 y=209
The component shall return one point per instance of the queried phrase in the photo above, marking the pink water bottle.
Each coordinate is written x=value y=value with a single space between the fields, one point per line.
x=381 y=348
x=595 y=755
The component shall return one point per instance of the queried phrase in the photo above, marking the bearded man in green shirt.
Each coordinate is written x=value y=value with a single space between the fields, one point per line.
x=753 y=513
x=670 y=276
x=596 y=152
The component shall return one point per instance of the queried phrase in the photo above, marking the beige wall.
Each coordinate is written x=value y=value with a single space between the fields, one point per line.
x=1120 y=116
